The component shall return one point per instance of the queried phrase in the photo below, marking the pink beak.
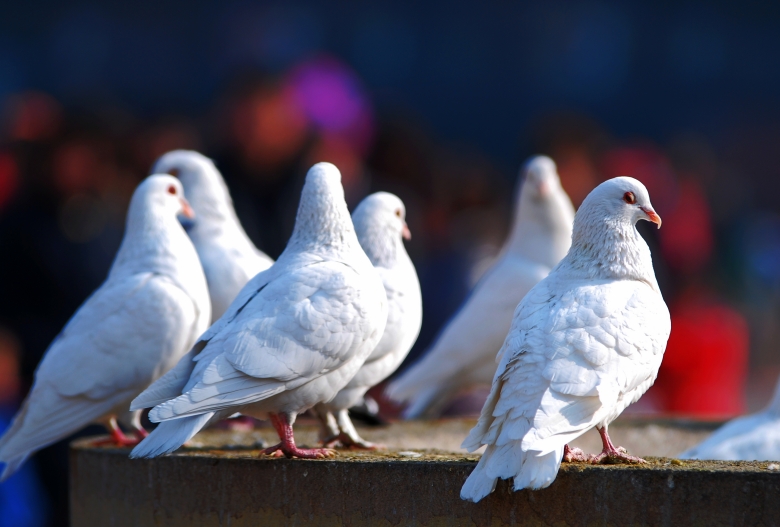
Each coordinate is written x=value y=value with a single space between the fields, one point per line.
x=652 y=216
x=406 y=233
x=186 y=210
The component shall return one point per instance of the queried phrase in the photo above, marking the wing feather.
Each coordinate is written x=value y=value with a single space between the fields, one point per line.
x=294 y=329
x=562 y=370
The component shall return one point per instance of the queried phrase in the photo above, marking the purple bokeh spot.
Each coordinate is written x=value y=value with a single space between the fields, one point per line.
x=331 y=95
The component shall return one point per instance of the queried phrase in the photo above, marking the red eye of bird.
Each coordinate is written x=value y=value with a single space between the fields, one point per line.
x=172 y=190
x=629 y=198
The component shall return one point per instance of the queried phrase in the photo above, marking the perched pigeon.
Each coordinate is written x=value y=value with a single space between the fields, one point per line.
x=380 y=225
x=228 y=256
x=585 y=342
x=295 y=335
x=138 y=324
x=750 y=438
x=463 y=355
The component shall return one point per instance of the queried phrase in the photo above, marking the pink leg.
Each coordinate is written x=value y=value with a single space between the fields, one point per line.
x=287 y=446
x=611 y=454
x=118 y=438
x=573 y=454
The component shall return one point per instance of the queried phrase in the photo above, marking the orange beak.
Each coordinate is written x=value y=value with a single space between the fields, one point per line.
x=406 y=233
x=652 y=216
x=186 y=210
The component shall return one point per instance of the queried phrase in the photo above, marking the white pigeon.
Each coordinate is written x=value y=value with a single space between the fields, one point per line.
x=749 y=438
x=137 y=325
x=585 y=342
x=228 y=256
x=381 y=227
x=295 y=335
x=463 y=354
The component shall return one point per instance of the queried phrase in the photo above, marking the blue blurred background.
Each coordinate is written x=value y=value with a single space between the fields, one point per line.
x=438 y=102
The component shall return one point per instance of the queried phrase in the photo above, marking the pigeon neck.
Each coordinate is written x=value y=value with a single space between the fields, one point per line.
x=213 y=222
x=323 y=227
x=541 y=232
x=154 y=241
x=213 y=206
x=608 y=248
x=382 y=246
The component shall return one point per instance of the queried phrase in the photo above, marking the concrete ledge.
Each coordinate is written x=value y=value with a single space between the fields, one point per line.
x=209 y=487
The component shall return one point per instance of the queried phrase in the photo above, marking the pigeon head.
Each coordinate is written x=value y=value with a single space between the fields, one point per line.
x=544 y=214
x=605 y=242
x=322 y=220
x=541 y=178
x=380 y=224
x=621 y=199
x=160 y=194
x=203 y=184
x=153 y=236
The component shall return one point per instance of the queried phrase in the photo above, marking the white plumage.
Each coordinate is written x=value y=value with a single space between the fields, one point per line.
x=136 y=326
x=749 y=438
x=295 y=335
x=380 y=225
x=463 y=354
x=585 y=342
x=229 y=257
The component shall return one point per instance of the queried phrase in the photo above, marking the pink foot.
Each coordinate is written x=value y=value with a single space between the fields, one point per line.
x=344 y=441
x=118 y=438
x=571 y=455
x=612 y=454
x=287 y=446
x=303 y=453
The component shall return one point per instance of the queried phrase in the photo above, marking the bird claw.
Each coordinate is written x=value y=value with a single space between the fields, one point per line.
x=571 y=455
x=616 y=456
x=343 y=440
x=117 y=441
x=302 y=453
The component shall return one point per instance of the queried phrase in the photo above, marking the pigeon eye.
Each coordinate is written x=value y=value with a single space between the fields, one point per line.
x=398 y=212
x=629 y=198
x=174 y=172
x=172 y=190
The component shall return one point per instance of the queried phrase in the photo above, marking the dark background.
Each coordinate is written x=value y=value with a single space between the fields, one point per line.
x=438 y=102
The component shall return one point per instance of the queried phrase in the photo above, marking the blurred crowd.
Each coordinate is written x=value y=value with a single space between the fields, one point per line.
x=67 y=172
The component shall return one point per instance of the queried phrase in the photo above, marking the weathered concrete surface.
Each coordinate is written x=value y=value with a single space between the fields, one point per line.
x=661 y=438
x=203 y=487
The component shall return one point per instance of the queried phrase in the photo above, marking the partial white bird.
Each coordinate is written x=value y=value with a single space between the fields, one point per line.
x=229 y=257
x=137 y=325
x=749 y=438
x=380 y=222
x=585 y=342
x=463 y=355
x=294 y=337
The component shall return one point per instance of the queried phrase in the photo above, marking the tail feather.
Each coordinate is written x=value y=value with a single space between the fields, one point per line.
x=539 y=471
x=170 y=385
x=12 y=465
x=418 y=377
x=478 y=485
x=170 y=435
x=529 y=470
x=44 y=425
x=428 y=403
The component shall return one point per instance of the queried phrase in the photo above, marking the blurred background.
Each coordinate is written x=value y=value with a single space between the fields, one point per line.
x=438 y=102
